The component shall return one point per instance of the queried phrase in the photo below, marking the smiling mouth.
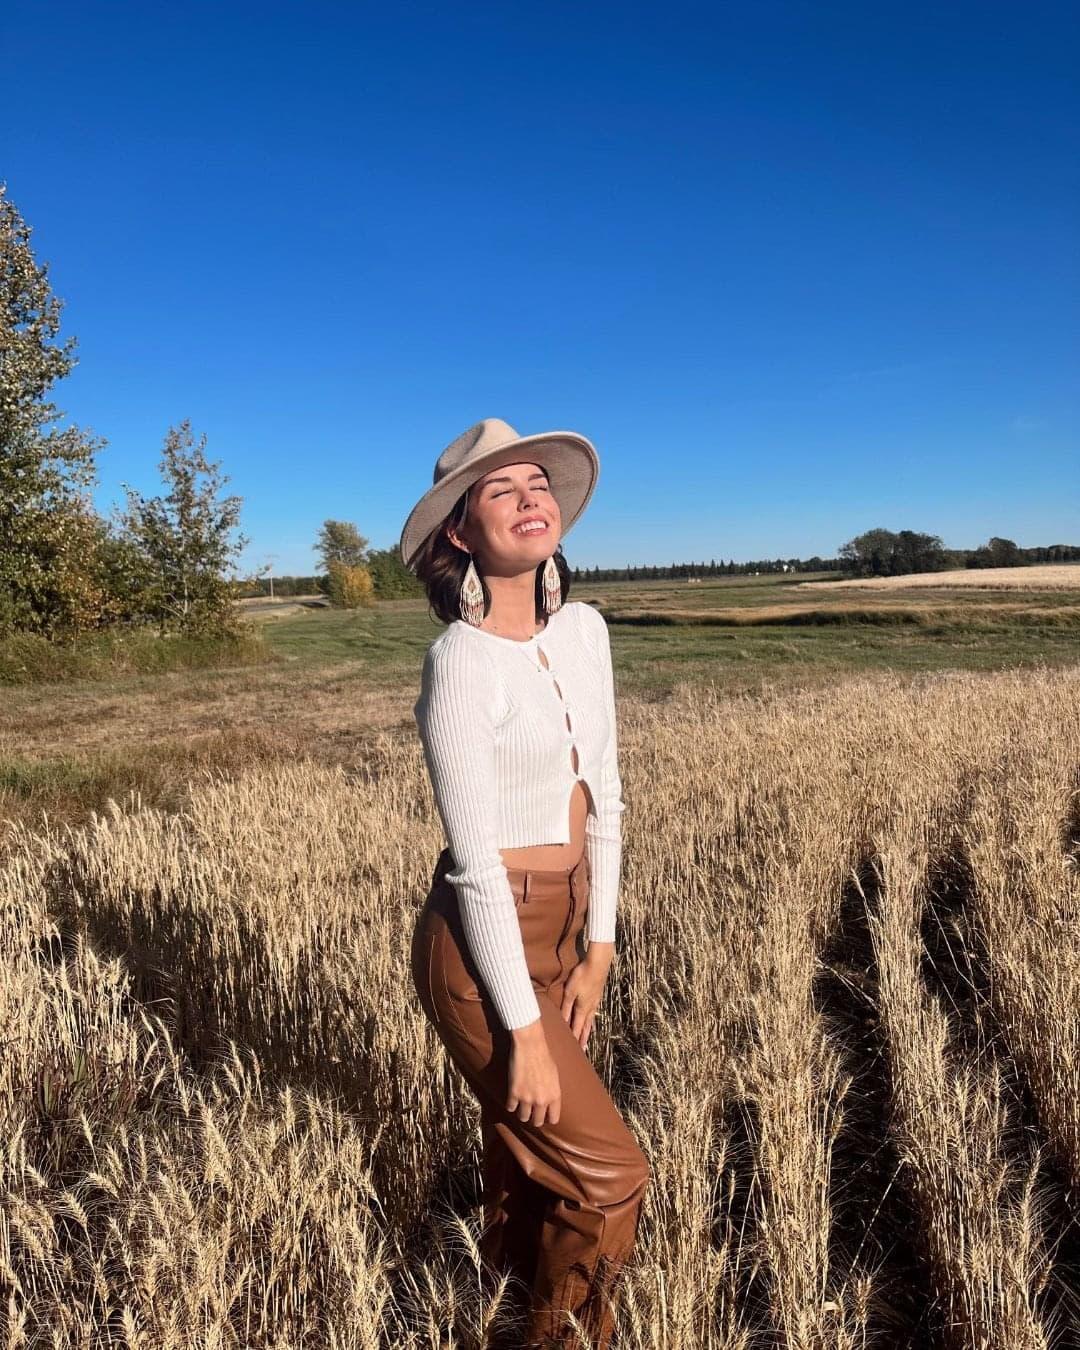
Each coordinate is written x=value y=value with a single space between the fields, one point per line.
x=540 y=527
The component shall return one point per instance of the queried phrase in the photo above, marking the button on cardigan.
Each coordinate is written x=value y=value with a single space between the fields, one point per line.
x=499 y=754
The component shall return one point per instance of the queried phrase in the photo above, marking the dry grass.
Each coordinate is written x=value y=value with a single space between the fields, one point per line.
x=1038 y=577
x=269 y=702
x=842 y=1020
x=70 y=751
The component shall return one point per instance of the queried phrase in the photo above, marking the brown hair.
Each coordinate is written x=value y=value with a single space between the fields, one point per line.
x=441 y=566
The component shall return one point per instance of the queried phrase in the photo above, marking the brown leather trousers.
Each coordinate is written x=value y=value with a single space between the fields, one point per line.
x=561 y=1201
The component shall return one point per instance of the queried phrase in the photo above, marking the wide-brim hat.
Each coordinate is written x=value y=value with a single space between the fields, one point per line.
x=569 y=458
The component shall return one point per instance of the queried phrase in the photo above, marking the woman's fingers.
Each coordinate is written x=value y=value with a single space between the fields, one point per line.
x=575 y=1013
x=583 y=1026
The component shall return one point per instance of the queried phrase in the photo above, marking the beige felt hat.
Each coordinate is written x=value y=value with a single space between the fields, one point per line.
x=570 y=460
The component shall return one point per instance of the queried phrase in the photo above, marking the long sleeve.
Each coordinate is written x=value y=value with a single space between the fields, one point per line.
x=603 y=833
x=455 y=716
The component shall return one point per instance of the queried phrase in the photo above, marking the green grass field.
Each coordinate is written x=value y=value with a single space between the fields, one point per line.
x=654 y=646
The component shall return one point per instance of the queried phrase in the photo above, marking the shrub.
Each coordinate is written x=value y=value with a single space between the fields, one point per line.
x=350 y=587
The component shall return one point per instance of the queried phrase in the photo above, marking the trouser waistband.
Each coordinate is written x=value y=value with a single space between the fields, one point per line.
x=533 y=881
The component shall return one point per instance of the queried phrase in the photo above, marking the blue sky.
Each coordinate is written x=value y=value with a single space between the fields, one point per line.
x=798 y=270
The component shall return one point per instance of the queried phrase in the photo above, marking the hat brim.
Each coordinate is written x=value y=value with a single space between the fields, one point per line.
x=573 y=469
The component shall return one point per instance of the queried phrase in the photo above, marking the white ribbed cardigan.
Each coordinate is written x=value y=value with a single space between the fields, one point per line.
x=497 y=748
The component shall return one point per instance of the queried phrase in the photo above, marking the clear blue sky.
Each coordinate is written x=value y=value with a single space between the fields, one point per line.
x=798 y=270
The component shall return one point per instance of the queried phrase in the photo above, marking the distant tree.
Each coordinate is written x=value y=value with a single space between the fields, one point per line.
x=184 y=541
x=880 y=552
x=1003 y=553
x=917 y=552
x=350 y=587
x=47 y=522
x=868 y=553
x=391 y=578
x=340 y=541
x=259 y=584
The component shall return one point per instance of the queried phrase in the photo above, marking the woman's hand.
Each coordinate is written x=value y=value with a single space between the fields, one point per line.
x=584 y=989
x=533 y=1091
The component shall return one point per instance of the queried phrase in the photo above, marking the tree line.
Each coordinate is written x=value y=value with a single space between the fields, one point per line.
x=877 y=552
x=352 y=573
x=883 y=553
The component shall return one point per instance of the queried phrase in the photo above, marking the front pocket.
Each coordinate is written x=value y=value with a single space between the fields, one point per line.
x=522 y=896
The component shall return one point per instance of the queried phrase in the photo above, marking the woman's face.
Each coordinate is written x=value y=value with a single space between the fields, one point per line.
x=506 y=507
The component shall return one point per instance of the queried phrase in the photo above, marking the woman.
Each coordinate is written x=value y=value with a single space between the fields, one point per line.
x=517 y=720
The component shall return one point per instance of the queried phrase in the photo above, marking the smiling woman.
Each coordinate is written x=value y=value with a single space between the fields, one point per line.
x=516 y=716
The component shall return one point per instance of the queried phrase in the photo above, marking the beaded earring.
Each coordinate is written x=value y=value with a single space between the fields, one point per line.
x=471 y=596
x=552 y=586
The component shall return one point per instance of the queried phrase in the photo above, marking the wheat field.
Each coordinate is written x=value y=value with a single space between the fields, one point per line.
x=1037 y=577
x=843 y=1021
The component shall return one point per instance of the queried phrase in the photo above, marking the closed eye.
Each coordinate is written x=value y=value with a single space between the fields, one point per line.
x=541 y=487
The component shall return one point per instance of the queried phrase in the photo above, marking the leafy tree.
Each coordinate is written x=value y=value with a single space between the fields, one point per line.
x=1003 y=552
x=46 y=472
x=350 y=587
x=392 y=579
x=340 y=541
x=868 y=553
x=184 y=541
x=880 y=552
x=917 y=552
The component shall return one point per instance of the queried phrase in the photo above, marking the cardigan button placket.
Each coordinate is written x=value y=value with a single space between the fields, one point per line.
x=544 y=664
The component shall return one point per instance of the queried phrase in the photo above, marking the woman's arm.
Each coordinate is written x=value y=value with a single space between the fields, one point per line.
x=455 y=716
x=603 y=833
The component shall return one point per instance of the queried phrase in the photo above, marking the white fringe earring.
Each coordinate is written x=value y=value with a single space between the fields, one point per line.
x=552 y=586
x=471 y=598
